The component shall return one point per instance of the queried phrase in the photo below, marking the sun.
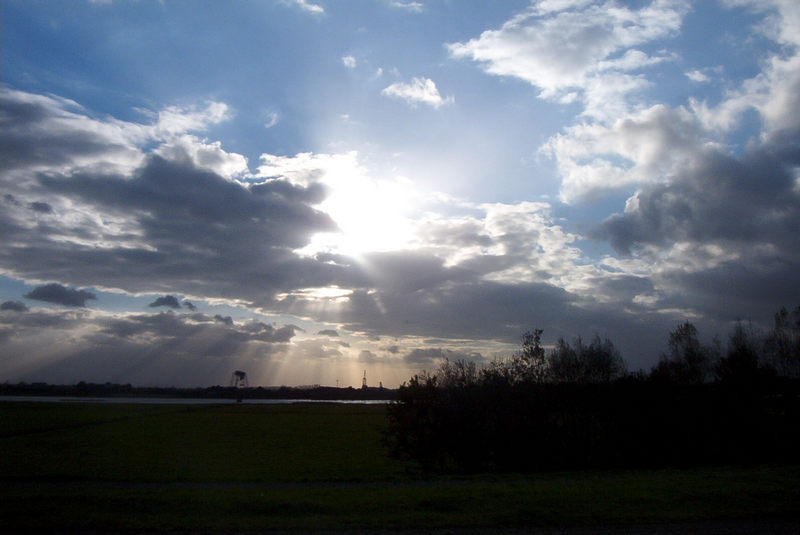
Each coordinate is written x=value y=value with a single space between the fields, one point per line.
x=372 y=215
x=374 y=211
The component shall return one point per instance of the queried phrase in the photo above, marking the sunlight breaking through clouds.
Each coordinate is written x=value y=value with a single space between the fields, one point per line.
x=371 y=214
x=579 y=166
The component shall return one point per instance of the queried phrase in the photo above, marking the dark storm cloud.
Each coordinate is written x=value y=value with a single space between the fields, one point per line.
x=42 y=131
x=328 y=332
x=160 y=348
x=752 y=288
x=158 y=224
x=166 y=301
x=753 y=200
x=282 y=334
x=500 y=311
x=461 y=234
x=736 y=221
x=428 y=356
x=168 y=325
x=189 y=305
x=367 y=356
x=184 y=202
x=60 y=295
x=617 y=287
x=408 y=271
x=48 y=319
x=41 y=207
x=227 y=320
x=474 y=308
x=14 y=306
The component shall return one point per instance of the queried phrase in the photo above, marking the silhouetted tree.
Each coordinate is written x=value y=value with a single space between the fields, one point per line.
x=456 y=374
x=782 y=345
x=688 y=361
x=565 y=363
x=740 y=366
x=530 y=364
x=413 y=423
x=603 y=362
x=497 y=373
x=597 y=362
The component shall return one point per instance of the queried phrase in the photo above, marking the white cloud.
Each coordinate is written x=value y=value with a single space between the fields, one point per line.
x=632 y=60
x=623 y=147
x=349 y=62
x=560 y=46
x=307 y=6
x=782 y=28
x=176 y=120
x=418 y=91
x=605 y=97
x=775 y=92
x=413 y=7
x=640 y=148
x=698 y=76
x=272 y=119
x=204 y=155
x=306 y=168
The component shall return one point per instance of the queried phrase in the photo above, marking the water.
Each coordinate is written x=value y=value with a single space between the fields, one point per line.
x=189 y=401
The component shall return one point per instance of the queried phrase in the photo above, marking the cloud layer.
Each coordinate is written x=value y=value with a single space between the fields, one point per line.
x=663 y=207
x=164 y=348
x=172 y=220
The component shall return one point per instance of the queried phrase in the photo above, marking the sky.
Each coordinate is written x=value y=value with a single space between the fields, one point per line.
x=307 y=189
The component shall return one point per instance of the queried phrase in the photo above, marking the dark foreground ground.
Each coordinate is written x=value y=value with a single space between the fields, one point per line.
x=93 y=468
x=747 y=527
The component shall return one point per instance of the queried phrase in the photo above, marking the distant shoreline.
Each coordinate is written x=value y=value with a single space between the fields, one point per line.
x=182 y=401
x=110 y=391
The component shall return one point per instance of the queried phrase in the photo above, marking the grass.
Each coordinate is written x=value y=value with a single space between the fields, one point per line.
x=162 y=443
x=256 y=467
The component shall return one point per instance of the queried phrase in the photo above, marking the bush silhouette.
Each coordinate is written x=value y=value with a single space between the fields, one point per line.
x=577 y=407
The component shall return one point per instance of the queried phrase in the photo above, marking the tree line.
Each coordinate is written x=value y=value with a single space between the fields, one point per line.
x=576 y=405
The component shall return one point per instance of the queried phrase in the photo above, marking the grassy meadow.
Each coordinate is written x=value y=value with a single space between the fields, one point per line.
x=73 y=466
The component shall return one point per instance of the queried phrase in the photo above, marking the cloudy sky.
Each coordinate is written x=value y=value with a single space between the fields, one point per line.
x=309 y=189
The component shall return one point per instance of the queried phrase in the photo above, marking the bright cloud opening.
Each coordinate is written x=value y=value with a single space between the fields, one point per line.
x=372 y=214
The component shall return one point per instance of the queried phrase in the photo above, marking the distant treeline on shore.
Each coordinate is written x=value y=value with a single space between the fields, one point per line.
x=83 y=389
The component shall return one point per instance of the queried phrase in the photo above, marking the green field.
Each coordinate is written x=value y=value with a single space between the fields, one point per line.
x=310 y=466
